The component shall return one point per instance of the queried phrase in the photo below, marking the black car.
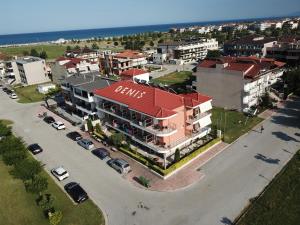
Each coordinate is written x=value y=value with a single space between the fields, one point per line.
x=101 y=153
x=76 y=192
x=35 y=149
x=49 y=119
x=74 y=135
x=5 y=89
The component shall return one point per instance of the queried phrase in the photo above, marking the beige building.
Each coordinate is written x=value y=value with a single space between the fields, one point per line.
x=30 y=70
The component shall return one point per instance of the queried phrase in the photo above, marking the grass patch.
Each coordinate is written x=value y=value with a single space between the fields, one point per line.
x=280 y=202
x=237 y=123
x=6 y=122
x=29 y=94
x=174 y=78
x=53 y=51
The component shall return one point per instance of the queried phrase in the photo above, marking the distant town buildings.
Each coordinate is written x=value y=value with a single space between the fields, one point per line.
x=250 y=45
x=116 y=63
x=179 y=52
x=84 y=53
x=237 y=82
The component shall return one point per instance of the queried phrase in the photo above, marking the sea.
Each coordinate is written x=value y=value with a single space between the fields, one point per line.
x=43 y=37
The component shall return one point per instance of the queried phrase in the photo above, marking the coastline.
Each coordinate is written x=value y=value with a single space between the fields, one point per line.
x=53 y=37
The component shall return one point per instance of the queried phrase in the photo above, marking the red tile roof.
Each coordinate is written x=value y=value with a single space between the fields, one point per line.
x=130 y=54
x=148 y=100
x=133 y=72
x=195 y=99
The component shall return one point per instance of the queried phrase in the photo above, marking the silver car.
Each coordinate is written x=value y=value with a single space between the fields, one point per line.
x=86 y=143
x=119 y=165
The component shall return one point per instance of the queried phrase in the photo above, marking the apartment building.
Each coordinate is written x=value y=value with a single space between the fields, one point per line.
x=180 y=52
x=64 y=67
x=291 y=24
x=77 y=91
x=116 y=63
x=287 y=49
x=27 y=70
x=154 y=119
x=249 y=46
x=237 y=82
x=84 y=53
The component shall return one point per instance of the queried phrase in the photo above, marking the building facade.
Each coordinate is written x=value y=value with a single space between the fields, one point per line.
x=237 y=83
x=184 y=51
x=249 y=46
x=152 y=118
x=138 y=75
x=77 y=91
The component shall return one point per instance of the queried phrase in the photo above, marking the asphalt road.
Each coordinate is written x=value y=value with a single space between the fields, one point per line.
x=231 y=178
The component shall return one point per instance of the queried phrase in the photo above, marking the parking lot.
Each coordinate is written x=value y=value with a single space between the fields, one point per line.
x=231 y=178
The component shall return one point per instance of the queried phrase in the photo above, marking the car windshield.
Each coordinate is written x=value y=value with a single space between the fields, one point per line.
x=34 y=147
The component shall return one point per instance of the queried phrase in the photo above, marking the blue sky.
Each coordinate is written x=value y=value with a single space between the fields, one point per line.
x=18 y=16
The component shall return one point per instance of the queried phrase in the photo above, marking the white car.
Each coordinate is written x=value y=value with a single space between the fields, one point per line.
x=13 y=96
x=59 y=125
x=60 y=173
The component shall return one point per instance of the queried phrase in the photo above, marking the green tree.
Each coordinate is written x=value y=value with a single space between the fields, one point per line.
x=27 y=169
x=77 y=47
x=46 y=202
x=55 y=218
x=117 y=139
x=4 y=130
x=95 y=46
x=43 y=55
x=90 y=126
x=116 y=43
x=14 y=157
x=213 y=54
x=98 y=128
x=69 y=48
x=37 y=184
x=34 y=52
x=177 y=155
x=151 y=43
x=11 y=143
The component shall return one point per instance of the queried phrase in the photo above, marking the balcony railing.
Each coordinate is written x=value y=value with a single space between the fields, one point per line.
x=195 y=118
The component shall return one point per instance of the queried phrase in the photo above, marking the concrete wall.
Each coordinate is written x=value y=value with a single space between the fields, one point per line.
x=225 y=88
x=35 y=72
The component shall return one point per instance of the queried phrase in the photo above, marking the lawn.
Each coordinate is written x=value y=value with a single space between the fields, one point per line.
x=235 y=124
x=280 y=203
x=29 y=94
x=53 y=51
x=19 y=207
x=174 y=78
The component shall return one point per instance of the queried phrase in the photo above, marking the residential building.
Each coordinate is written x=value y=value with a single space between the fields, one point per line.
x=77 y=91
x=116 y=63
x=155 y=120
x=138 y=75
x=84 y=53
x=291 y=24
x=263 y=25
x=27 y=70
x=249 y=46
x=180 y=52
x=237 y=82
x=287 y=50
x=64 y=67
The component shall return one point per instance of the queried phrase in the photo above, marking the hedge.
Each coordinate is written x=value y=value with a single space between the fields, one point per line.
x=150 y=164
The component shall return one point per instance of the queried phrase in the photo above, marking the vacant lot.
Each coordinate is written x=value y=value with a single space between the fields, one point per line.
x=232 y=123
x=18 y=207
x=280 y=203
x=176 y=78
x=28 y=94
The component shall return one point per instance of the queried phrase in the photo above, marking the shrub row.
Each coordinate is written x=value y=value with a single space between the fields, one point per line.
x=15 y=154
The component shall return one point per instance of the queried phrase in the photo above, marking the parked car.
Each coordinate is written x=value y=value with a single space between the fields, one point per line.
x=35 y=149
x=5 y=89
x=59 y=125
x=86 y=143
x=60 y=173
x=13 y=96
x=101 y=153
x=49 y=119
x=119 y=165
x=9 y=92
x=76 y=192
x=74 y=135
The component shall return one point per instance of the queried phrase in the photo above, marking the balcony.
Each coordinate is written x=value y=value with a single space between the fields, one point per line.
x=194 y=119
x=64 y=87
x=83 y=98
x=68 y=102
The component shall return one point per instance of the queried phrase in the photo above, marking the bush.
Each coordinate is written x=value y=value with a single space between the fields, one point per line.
x=27 y=169
x=90 y=126
x=117 y=139
x=177 y=155
x=46 y=202
x=144 y=181
x=11 y=143
x=14 y=157
x=37 y=185
x=55 y=218
x=98 y=129
x=4 y=130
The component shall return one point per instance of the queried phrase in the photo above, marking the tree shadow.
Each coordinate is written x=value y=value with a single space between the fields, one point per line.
x=226 y=221
x=284 y=136
x=266 y=159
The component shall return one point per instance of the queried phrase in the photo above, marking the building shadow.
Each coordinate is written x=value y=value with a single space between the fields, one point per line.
x=266 y=159
x=284 y=136
x=226 y=221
